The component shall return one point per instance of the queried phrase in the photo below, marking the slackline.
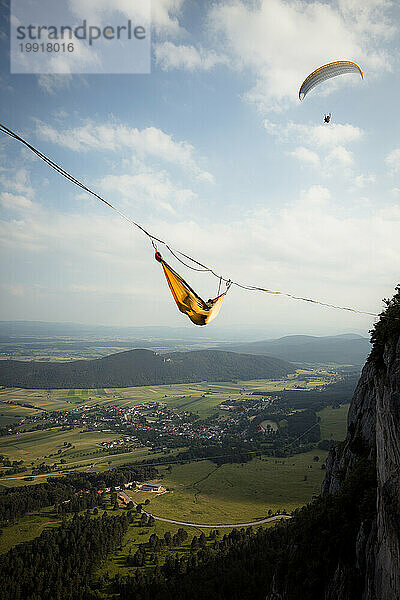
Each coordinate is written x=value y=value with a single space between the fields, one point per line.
x=154 y=240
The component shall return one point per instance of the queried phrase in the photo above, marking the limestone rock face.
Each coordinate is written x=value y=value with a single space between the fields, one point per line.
x=387 y=565
x=374 y=433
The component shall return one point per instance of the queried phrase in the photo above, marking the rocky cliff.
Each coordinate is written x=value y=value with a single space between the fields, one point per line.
x=367 y=566
x=374 y=433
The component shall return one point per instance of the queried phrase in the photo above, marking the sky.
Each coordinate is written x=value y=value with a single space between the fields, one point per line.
x=212 y=152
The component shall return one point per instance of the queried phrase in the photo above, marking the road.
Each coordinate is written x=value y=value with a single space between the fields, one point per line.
x=253 y=523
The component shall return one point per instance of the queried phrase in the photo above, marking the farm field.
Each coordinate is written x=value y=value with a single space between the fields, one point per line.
x=37 y=445
x=91 y=464
x=80 y=448
x=202 y=398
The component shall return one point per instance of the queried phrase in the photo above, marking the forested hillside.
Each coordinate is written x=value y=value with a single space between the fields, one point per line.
x=141 y=367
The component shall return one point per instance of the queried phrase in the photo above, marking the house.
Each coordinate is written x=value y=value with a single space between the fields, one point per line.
x=151 y=487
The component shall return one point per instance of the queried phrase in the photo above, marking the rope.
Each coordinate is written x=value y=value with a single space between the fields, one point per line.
x=154 y=239
x=219 y=287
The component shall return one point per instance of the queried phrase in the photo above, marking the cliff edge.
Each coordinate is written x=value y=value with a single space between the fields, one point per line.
x=374 y=434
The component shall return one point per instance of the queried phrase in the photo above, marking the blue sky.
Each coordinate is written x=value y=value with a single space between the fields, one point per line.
x=213 y=152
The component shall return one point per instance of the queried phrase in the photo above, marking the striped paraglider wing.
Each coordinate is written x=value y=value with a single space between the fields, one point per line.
x=340 y=67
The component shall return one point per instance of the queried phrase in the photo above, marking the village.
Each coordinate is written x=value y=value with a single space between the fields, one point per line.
x=153 y=425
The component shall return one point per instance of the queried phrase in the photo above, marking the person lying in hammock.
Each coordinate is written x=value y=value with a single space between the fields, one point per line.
x=188 y=302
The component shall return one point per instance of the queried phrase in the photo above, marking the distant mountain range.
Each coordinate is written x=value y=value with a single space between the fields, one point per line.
x=141 y=367
x=346 y=349
x=42 y=329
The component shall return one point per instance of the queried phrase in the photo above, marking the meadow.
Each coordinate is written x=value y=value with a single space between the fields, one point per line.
x=334 y=422
x=198 y=492
x=205 y=493
x=27 y=528
x=202 y=493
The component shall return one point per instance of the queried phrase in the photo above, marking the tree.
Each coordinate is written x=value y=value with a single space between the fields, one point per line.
x=168 y=538
x=194 y=544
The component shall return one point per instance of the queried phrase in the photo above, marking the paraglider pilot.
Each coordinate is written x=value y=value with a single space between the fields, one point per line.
x=327 y=118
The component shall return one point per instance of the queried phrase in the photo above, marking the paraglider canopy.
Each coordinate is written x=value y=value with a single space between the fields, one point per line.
x=333 y=69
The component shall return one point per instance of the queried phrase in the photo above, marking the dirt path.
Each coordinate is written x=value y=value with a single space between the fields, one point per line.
x=219 y=526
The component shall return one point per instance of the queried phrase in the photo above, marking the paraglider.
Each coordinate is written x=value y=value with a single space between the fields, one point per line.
x=188 y=302
x=333 y=69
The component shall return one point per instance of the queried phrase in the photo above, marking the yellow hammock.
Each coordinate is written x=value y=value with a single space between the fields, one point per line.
x=188 y=302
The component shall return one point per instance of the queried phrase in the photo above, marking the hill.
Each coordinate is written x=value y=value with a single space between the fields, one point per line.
x=141 y=367
x=347 y=349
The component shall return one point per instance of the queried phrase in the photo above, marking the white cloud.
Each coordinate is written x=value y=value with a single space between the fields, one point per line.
x=327 y=136
x=13 y=202
x=154 y=187
x=171 y=56
x=281 y=42
x=60 y=114
x=302 y=247
x=54 y=83
x=393 y=160
x=57 y=68
x=18 y=182
x=368 y=16
x=310 y=234
x=149 y=141
x=164 y=13
x=335 y=134
x=362 y=181
x=304 y=155
x=315 y=196
x=325 y=144
x=95 y=9
x=339 y=156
